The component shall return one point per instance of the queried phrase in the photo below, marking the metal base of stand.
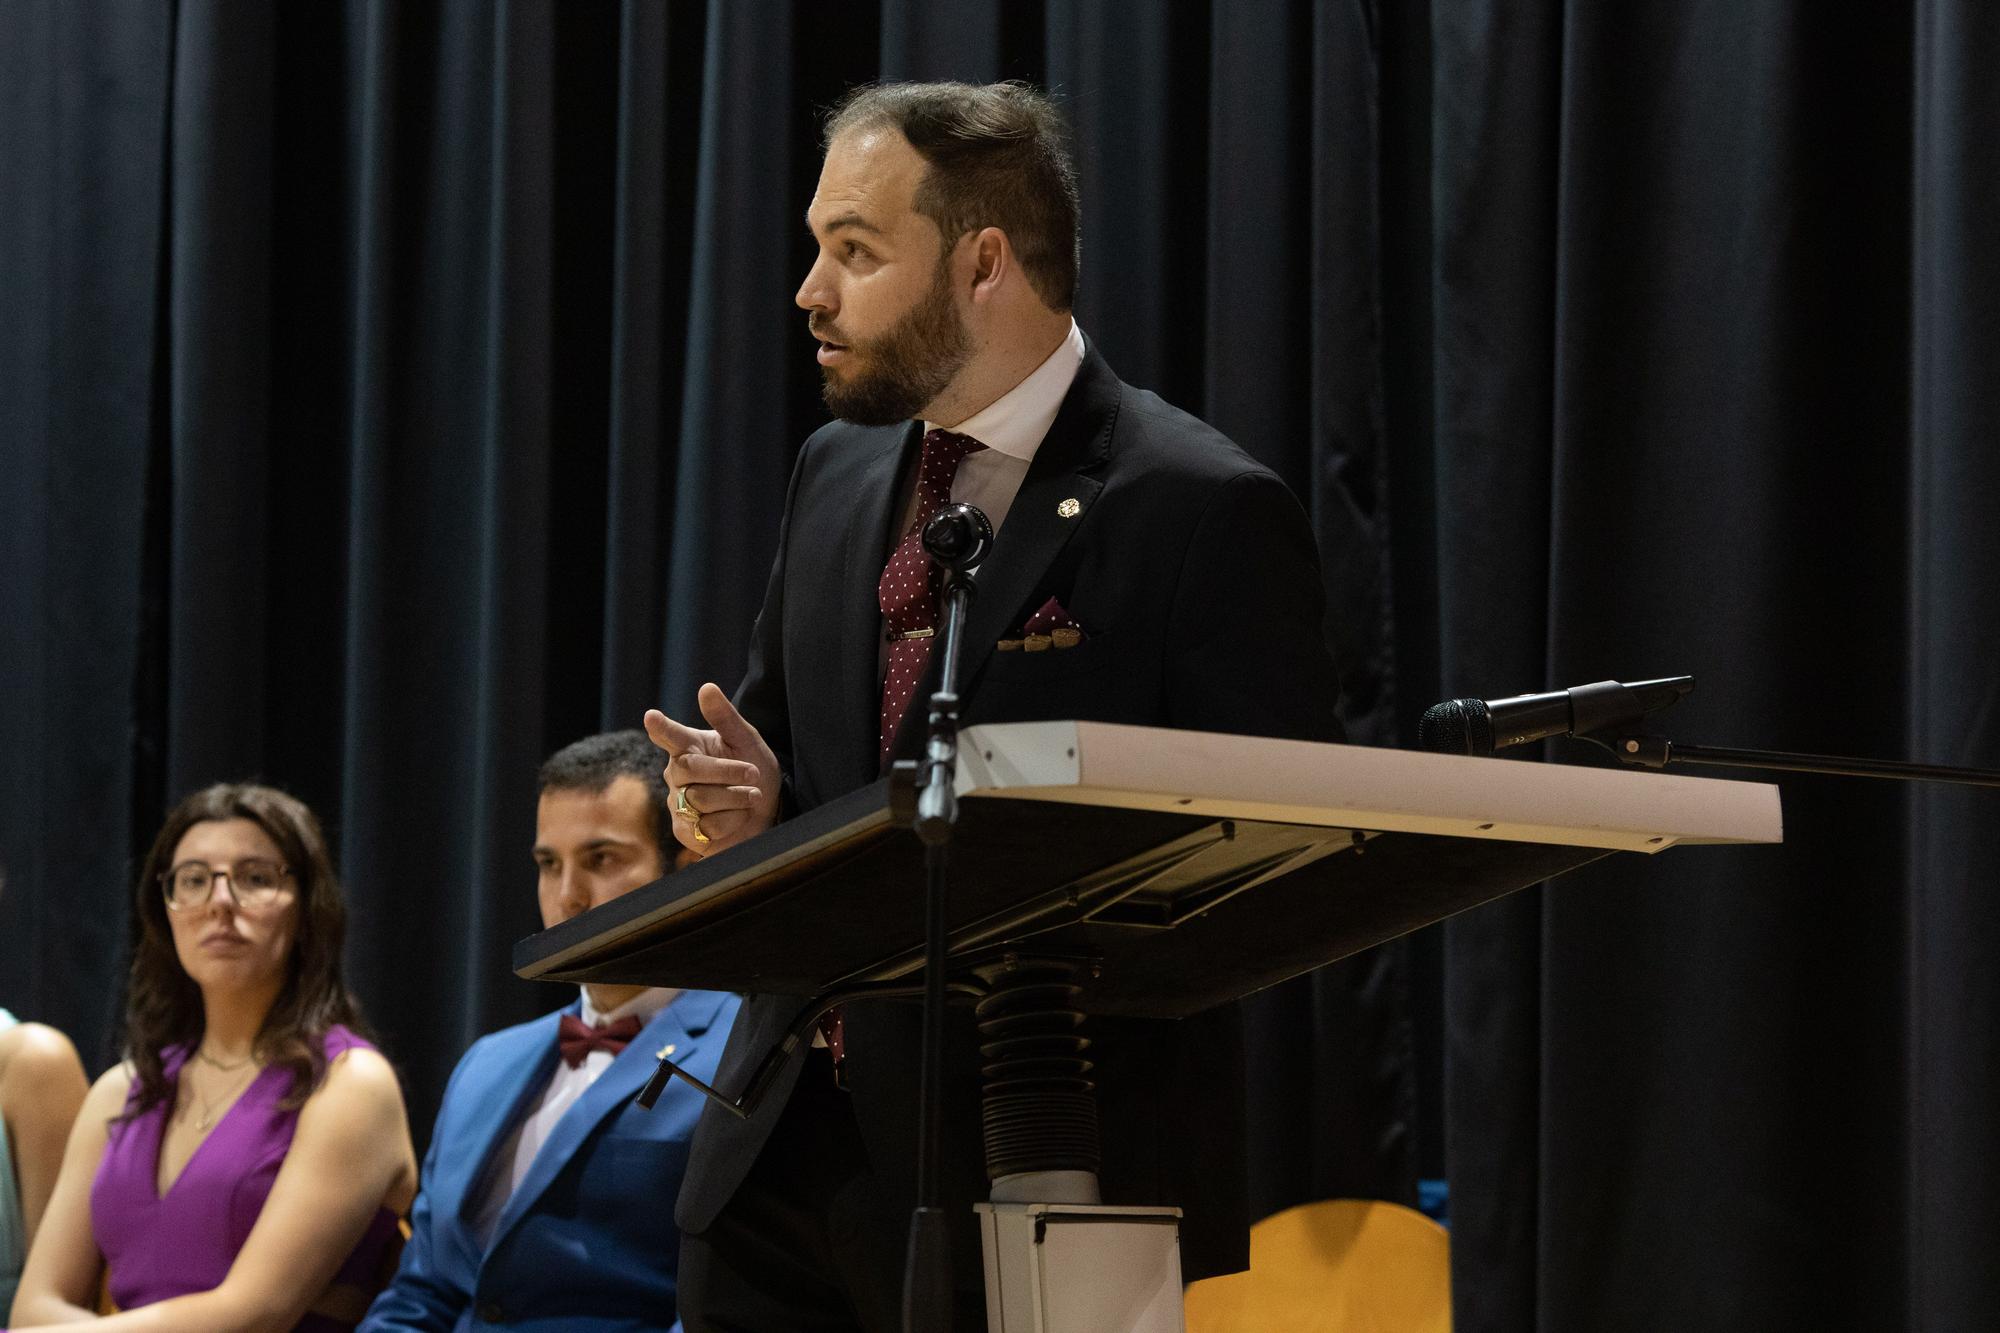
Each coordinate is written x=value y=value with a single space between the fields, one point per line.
x=1081 y=1268
x=1058 y=1260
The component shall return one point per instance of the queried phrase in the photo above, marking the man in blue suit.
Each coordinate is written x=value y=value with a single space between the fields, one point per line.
x=548 y=1195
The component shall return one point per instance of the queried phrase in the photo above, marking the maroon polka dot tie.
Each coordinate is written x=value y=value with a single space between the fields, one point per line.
x=908 y=591
x=908 y=594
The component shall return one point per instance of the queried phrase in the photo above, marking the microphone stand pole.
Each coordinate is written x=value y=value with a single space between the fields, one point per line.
x=927 y=1284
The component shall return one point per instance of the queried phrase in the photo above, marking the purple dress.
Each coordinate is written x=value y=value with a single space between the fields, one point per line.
x=157 y=1247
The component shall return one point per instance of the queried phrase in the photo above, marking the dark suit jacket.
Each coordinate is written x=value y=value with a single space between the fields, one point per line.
x=1193 y=572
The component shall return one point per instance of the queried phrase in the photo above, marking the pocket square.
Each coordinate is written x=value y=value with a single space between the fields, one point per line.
x=1052 y=626
x=1051 y=617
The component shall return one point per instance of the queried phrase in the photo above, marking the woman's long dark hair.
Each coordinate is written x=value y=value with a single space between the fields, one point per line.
x=163 y=1008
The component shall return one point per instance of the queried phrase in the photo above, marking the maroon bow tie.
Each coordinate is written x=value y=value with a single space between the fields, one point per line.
x=575 y=1039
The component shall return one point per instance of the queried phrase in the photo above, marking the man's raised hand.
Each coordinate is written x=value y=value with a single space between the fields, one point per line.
x=726 y=778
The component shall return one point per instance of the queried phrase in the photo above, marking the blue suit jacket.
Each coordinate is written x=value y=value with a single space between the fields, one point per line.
x=588 y=1241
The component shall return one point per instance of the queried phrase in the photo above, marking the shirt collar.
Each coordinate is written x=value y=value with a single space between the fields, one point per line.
x=642 y=1006
x=1014 y=423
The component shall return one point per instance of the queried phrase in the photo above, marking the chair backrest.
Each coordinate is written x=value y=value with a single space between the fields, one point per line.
x=346 y=1303
x=1337 y=1266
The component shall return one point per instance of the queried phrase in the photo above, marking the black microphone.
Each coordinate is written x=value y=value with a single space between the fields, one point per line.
x=1475 y=726
x=958 y=536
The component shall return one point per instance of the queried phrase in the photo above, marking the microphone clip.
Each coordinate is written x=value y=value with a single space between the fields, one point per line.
x=1605 y=713
x=1637 y=748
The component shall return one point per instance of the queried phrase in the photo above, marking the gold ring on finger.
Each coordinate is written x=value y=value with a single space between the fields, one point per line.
x=694 y=827
x=682 y=806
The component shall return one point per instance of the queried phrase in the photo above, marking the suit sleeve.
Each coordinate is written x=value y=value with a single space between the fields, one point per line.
x=420 y=1296
x=761 y=697
x=1247 y=646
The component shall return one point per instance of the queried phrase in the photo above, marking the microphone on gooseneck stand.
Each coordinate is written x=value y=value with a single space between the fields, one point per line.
x=957 y=537
x=1610 y=714
x=1477 y=726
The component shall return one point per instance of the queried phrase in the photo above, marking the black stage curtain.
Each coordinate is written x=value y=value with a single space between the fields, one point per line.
x=1713 y=394
x=392 y=392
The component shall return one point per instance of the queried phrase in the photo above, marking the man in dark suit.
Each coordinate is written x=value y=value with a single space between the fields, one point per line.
x=1175 y=580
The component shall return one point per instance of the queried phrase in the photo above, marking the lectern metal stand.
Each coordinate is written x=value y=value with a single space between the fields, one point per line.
x=1180 y=870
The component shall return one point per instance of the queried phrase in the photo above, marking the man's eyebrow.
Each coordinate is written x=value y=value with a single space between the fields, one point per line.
x=542 y=849
x=848 y=219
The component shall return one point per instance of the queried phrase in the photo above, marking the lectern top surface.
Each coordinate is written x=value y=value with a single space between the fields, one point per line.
x=1352 y=786
x=1188 y=868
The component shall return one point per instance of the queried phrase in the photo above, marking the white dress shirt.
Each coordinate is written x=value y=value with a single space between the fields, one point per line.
x=564 y=1087
x=1011 y=427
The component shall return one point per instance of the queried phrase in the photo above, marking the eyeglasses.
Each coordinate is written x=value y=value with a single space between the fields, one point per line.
x=251 y=883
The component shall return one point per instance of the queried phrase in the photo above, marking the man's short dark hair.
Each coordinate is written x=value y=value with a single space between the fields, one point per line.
x=593 y=763
x=998 y=157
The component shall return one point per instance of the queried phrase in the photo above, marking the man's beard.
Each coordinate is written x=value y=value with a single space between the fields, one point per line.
x=906 y=367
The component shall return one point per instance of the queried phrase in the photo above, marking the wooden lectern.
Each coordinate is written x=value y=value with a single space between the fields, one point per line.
x=1168 y=872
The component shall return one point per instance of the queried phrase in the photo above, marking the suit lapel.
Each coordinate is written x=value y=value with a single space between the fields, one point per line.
x=680 y=1024
x=1078 y=442
x=866 y=549
x=527 y=1058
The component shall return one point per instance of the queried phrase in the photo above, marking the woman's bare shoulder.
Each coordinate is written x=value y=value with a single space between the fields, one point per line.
x=360 y=1082
x=37 y=1049
x=113 y=1086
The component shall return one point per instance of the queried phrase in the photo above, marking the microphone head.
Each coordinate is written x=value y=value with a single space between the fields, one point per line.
x=958 y=536
x=1457 y=726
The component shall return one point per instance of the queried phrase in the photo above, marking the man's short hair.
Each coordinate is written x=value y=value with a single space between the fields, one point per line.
x=593 y=763
x=998 y=156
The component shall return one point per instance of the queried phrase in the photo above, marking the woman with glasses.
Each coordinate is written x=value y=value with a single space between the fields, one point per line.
x=245 y=1166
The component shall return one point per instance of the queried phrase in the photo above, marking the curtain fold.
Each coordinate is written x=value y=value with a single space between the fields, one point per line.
x=1951 y=637
x=648 y=292
x=1497 y=72
x=85 y=98
x=219 y=334
x=736 y=438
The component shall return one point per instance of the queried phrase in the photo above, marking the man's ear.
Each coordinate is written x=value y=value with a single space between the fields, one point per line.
x=992 y=261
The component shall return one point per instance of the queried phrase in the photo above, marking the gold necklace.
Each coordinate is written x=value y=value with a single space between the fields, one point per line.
x=231 y=1067
x=205 y=1121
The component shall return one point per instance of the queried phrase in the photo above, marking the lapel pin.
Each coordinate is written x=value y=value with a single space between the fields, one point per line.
x=665 y=1051
x=1069 y=508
